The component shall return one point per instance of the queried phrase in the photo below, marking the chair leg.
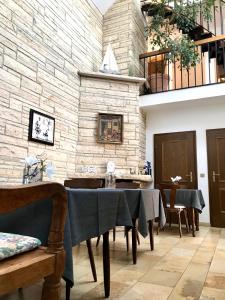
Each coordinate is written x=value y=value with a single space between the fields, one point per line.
x=98 y=240
x=179 y=219
x=114 y=234
x=170 y=219
x=197 y=220
x=91 y=258
x=138 y=239
x=186 y=219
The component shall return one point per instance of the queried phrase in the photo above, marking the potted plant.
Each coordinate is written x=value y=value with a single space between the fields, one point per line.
x=157 y=77
x=169 y=24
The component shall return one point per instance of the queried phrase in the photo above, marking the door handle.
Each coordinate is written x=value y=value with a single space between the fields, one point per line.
x=190 y=175
x=214 y=175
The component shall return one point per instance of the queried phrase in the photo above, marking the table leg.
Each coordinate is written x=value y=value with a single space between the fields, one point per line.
x=151 y=234
x=91 y=258
x=67 y=290
x=106 y=264
x=193 y=221
x=126 y=229
x=134 y=242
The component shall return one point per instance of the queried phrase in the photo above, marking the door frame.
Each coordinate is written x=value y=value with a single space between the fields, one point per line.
x=194 y=145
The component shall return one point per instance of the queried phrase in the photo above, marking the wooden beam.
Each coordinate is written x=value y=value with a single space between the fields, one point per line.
x=210 y=40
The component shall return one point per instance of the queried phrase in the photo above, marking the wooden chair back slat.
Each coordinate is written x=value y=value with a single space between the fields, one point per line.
x=127 y=185
x=173 y=188
x=84 y=183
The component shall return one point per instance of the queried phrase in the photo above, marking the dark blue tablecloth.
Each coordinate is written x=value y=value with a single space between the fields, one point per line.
x=90 y=214
x=189 y=198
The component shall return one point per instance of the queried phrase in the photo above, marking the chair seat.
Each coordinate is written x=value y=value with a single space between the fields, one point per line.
x=14 y=269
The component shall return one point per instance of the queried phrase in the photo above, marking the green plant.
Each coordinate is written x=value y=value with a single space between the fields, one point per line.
x=165 y=19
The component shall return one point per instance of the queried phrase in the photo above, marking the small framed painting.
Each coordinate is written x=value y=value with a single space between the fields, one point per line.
x=110 y=128
x=41 y=128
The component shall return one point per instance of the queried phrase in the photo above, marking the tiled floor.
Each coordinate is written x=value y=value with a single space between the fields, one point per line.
x=179 y=268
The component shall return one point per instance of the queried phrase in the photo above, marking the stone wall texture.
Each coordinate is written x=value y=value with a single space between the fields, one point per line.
x=43 y=43
x=113 y=97
x=123 y=27
x=42 y=46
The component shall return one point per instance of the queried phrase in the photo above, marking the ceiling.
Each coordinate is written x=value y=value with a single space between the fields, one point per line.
x=103 y=5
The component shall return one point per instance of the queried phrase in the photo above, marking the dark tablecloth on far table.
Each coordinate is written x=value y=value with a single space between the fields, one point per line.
x=189 y=198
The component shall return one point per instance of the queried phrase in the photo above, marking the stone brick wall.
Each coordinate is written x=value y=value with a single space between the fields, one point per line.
x=123 y=27
x=42 y=45
x=109 y=96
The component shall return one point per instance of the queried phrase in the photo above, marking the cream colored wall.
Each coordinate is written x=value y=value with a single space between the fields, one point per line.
x=42 y=45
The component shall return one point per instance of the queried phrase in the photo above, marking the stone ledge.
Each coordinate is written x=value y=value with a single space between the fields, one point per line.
x=107 y=76
x=143 y=178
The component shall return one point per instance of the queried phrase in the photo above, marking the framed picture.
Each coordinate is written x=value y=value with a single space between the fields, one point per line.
x=41 y=128
x=110 y=128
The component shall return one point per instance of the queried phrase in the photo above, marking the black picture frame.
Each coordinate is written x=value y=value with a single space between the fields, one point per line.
x=41 y=128
x=110 y=128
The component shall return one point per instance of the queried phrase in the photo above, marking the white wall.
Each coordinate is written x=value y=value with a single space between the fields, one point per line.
x=186 y=116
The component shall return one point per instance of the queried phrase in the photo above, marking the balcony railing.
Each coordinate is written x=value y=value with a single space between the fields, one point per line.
x=163 y=75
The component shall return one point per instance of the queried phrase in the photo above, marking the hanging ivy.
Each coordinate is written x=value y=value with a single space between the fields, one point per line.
x=167 y=16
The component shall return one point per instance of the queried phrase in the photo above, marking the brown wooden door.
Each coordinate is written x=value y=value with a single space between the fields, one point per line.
x=216 y=173
x=175 y=155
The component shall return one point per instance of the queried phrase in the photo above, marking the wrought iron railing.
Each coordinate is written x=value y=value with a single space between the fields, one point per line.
x=164 y=75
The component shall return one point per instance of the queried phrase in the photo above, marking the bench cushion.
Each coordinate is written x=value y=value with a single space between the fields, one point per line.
x=11 y=244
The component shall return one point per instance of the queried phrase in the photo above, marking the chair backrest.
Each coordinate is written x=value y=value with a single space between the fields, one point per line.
x=127 y=185
x=173 y=188
x=14 y=197
x=84 y=183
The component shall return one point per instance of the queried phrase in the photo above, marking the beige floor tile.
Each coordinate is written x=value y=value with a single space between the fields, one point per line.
x=129 y=277
x=191 y=283
x=203 y=255
x=144 y=291
x=212 y=294
x=215 y=280
x=172 y=263
x=217 y=265
x=164 y=278
x=117 y=290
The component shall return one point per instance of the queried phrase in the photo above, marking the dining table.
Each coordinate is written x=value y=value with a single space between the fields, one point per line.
x=90 y=213
x=191 y=199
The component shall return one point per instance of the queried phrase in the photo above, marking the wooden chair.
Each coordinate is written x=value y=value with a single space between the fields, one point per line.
x=170 y=207
x=86 y=183
x=44 y=262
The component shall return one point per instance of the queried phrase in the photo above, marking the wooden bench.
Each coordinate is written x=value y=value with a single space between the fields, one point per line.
x=44 y=262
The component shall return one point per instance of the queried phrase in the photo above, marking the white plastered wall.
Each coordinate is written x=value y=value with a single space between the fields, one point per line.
x=186 y=116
